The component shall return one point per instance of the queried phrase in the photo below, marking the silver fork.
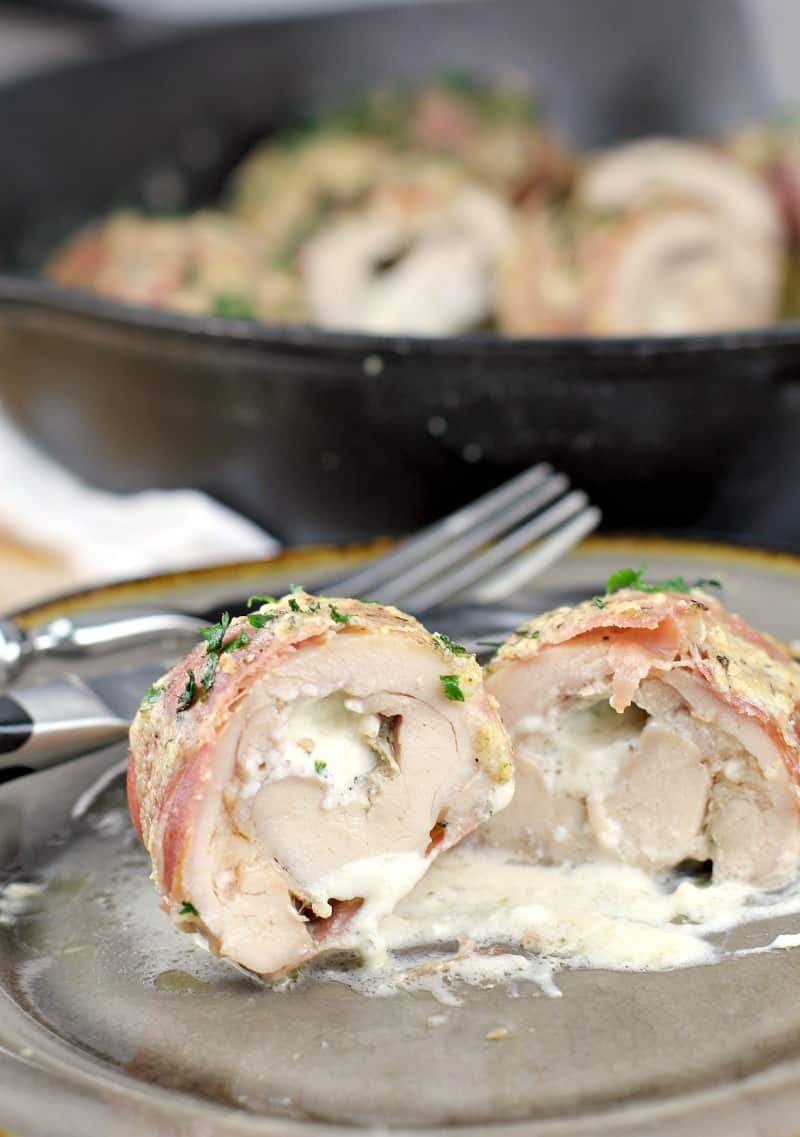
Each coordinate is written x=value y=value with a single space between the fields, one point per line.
x=485 y=547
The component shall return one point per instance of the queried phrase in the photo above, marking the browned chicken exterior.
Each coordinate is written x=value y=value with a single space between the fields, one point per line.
x=297 y=773
x=656 y=728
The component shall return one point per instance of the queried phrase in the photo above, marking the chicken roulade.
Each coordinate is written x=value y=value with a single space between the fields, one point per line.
x=204 y=263
x=673 y=268
x=419 y=257
x=298 y=772
x=653 y=170
x=654 y=727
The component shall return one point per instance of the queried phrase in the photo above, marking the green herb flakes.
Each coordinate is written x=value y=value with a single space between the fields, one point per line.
x=208 y=676
x=188 y=909
x=214 y=635
x=634 y=578
x=295 y=607
x=238 y=641
x=320 y=766
x=259 y=598
x=598 y=602
x=337 y=616
x=261 y=619
x=151 y=695
x=187 y=695
x=452 y=688
x=443 y=641
x=232 y=306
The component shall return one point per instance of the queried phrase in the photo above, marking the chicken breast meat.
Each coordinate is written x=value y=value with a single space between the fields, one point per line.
x=296 y=775
x=655 y=728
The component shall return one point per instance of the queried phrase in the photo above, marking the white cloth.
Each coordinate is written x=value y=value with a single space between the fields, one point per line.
x=106 y=536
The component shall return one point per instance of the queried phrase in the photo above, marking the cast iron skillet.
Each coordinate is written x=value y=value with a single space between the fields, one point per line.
x=321 y=435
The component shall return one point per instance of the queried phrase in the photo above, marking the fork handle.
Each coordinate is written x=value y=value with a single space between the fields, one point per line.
x=52 y=722
x=72 y=638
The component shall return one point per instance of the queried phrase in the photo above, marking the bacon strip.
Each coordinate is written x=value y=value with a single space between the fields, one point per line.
x=313 y=783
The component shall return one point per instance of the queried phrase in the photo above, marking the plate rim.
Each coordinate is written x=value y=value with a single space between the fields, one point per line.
x=98 y=596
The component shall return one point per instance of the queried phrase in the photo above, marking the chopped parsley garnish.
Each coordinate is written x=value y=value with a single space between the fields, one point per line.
x=238 y=641
x=261 y=619
x=151 y=695
x=315 y=607
x=261 y=599
x=320 y=766
x=337 y=616
x=441 y=640
x=187 y=695
x=295 y=588
x=188 y=909
x=634 y=578
x=452 y=688
x=295 y=607
x=208 y=676
x=232 y=306
x=598 y=602
x=215 y=634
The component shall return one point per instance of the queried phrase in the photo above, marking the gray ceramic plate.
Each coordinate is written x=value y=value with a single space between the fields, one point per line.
x=112 y=1023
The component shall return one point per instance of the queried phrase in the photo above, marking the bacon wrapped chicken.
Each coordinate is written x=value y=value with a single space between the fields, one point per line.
x=654 y=727
x=297 y=773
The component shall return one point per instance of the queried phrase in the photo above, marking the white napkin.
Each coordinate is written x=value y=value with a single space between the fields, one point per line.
x=104 y=536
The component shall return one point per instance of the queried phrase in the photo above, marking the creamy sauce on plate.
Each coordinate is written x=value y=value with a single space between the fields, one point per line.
x=479 y=917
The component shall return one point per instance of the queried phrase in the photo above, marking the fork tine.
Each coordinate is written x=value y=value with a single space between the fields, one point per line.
x=477 y=568
x=454 y=554
x=441 y=533
x=528 y=565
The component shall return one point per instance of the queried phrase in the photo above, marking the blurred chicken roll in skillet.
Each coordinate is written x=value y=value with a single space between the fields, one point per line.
x=655 y=727
x=661 y=237
x=297 y=773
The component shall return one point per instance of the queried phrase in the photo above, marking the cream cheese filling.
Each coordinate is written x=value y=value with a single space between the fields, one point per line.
x=328 y=739
x=580 y=752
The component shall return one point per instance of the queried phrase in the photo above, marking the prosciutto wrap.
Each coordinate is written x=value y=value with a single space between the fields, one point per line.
x=298 y=795
x=655 y=728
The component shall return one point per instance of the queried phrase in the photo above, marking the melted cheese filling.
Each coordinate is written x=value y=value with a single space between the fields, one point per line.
x=582 y=751
x=327 y=739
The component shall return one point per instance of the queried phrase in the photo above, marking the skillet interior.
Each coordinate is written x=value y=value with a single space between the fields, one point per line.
x=290 y=425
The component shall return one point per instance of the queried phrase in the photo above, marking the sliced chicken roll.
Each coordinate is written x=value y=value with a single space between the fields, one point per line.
x=674 y=268
x=419 y=257
x=652 y=170
x=297 y=774
x=655 y=728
